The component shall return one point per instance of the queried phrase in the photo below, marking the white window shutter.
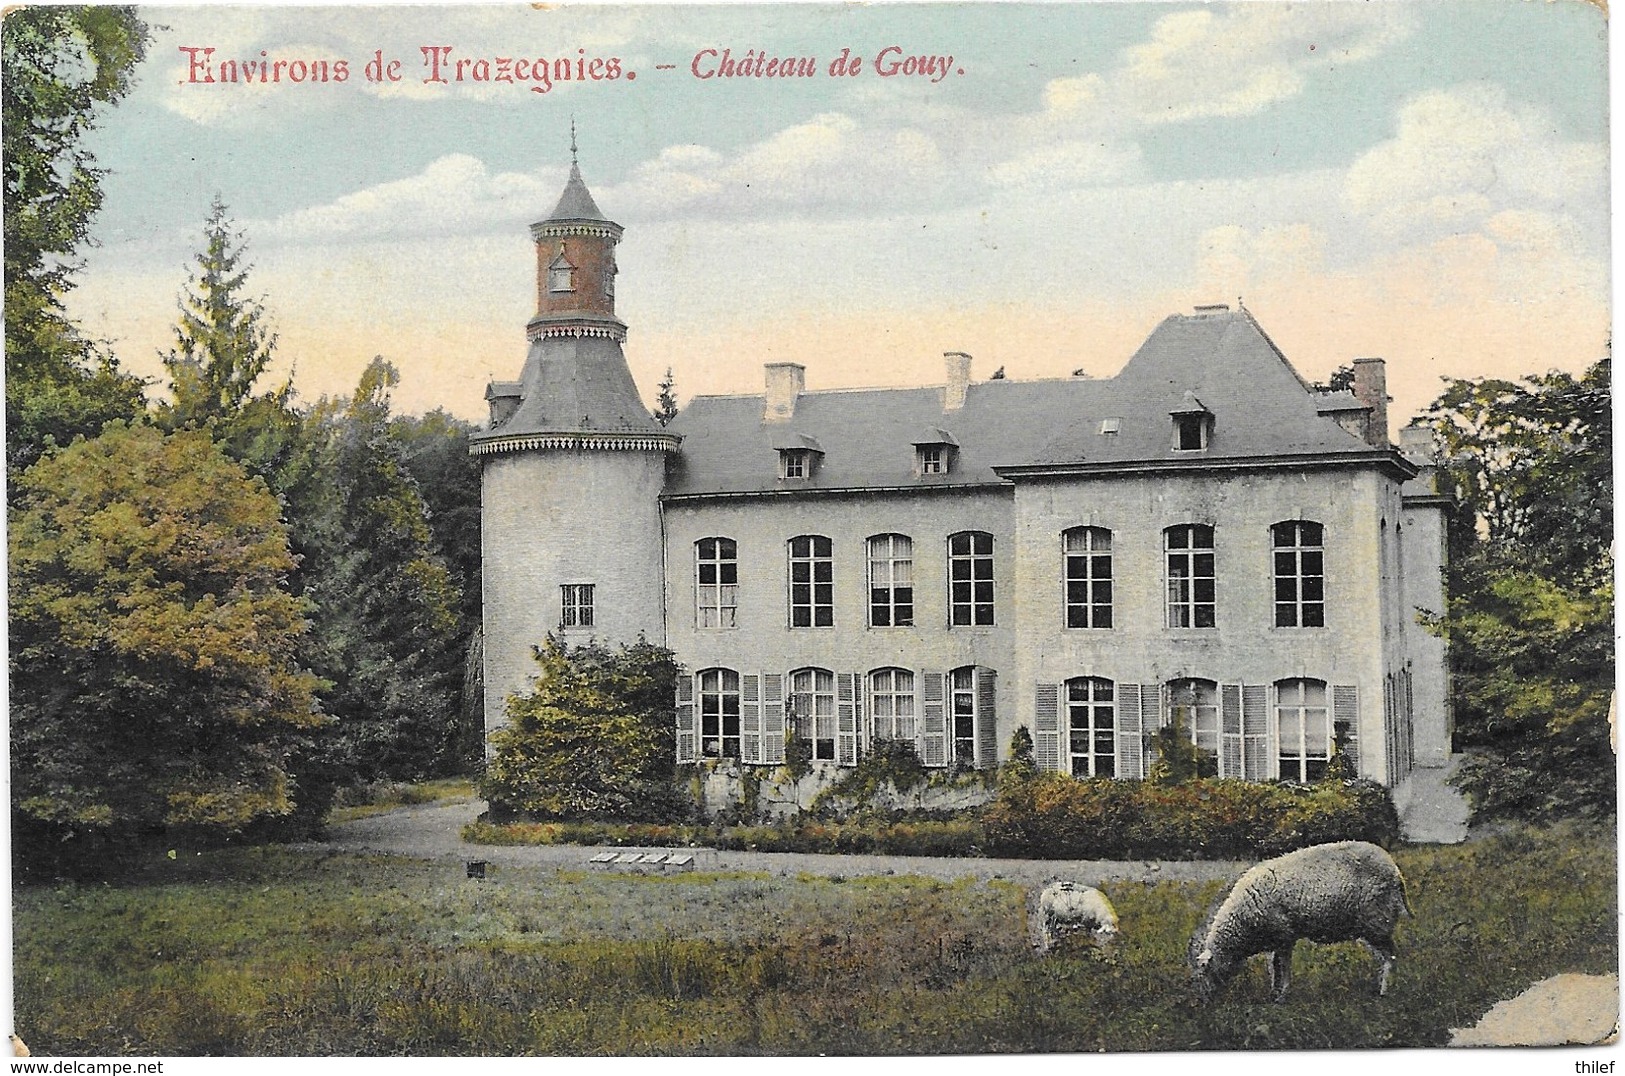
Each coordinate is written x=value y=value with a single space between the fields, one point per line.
x=1130 y=732
x=987 y=725
x=1230 y=739
x=773 y=719
x=933 y=720
x=1346 y=710
x=1255 y=732
x=846 y=719
x=750 y=718
x=1047 y=726
x=687 y=735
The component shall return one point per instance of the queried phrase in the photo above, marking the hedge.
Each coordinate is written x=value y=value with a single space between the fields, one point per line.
x=1055 y=816
x=1052 y=816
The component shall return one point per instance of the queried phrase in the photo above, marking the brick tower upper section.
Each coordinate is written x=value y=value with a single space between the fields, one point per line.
x=575 y=268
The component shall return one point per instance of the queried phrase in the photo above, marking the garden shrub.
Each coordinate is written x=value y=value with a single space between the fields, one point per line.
x=592 y=741
x=1058 y=816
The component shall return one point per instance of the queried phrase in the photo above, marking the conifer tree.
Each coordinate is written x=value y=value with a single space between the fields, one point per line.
x=666 y=403
x=222 y=350
x=386 y=628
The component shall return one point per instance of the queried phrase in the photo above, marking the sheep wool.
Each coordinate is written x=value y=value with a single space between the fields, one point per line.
x=1346 y=891
x=1065 y=907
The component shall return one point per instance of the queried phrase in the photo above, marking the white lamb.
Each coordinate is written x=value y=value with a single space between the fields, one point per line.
x=1064 y=908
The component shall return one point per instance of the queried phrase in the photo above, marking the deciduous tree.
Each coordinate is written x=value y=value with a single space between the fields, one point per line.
x=154 y=680
x=60 y=65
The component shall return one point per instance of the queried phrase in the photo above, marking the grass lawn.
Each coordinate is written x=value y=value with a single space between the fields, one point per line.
x=274 y=951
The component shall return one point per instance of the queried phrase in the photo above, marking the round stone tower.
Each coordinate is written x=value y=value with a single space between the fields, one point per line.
x=573 y=467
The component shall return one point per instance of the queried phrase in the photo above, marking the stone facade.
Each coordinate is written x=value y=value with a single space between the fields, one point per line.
x=1204 y=539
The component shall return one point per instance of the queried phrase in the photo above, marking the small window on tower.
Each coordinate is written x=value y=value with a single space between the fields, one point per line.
x=577 y=602
x=561 y=275
x=609 y=280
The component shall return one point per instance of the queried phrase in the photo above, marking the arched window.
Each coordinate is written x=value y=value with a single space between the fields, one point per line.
x=812 y=708
x=891 y=581
x=1088 y=556
x=1300 y=574
x=1303 y=726
x=1189 y=552
x=716 y=583
x=719 y=713
x=970 y=578
x=891 y=705
x=1092 y=727
x=812 y=582
x=1194 y=706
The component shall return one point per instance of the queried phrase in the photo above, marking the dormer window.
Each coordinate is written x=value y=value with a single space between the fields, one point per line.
x=561 y=275
x=934 y=452
x=795 y=463
x=1193 y=425
x=798 y=455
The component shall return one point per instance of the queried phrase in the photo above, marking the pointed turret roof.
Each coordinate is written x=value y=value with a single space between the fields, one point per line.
x=576 y=202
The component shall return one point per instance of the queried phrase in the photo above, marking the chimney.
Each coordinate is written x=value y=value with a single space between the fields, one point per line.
x=953 y=397
x=785 y=381
x=1371 y=389
x=1416 y=441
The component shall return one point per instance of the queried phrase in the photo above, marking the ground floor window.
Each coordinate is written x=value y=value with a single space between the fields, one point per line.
x=1091 y=727
x=812 y=702
x=719 y=713
x=1194 y=706
x=962 y=715
x=1303 y=729
x=891 y=705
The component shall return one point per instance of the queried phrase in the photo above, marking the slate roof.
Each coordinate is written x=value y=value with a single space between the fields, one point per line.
x=576 y=202
x=1262 y=411
x=576 y=384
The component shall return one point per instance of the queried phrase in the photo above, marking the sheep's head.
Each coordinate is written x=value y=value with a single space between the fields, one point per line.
x=1209 y=971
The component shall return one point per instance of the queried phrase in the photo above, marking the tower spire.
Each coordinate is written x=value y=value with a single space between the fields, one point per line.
x=573 y=163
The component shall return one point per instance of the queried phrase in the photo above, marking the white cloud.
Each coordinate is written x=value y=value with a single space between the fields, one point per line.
x=1463 y=154
x=1236 y=61
x=454 y=195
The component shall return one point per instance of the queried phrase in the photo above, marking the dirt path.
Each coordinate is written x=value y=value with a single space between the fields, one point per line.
x=432 y=832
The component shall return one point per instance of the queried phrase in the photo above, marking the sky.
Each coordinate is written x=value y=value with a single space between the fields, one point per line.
x=1421 y=181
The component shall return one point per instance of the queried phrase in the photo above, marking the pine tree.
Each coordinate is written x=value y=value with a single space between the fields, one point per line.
x=386 y=626
x=666 y=403
x=222 y=346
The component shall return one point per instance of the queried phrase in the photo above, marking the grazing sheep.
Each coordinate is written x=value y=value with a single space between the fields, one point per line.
x=1326 y=893
x=1071 y=907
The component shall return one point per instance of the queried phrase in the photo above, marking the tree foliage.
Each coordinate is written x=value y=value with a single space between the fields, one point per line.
x=60 y=65
x=385 y=633
x=666 y=403
x=593 y=740
x=152 y=644
x=1530 y=618
x=222 y=350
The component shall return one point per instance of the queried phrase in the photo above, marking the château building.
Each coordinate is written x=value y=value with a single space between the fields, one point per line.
x=1204 y=537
